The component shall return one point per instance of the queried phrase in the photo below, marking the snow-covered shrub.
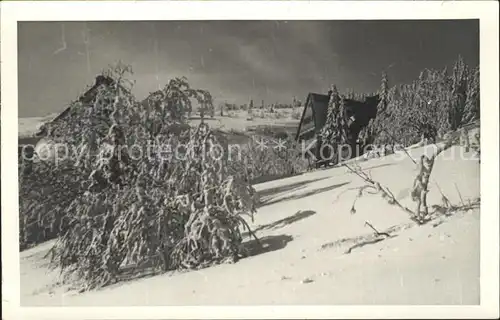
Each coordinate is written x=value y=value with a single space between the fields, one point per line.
x=435 y=103
x=266 y=157
x=296 y=114
x=128 y=200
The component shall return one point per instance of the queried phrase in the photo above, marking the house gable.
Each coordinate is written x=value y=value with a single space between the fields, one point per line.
x=313 y=117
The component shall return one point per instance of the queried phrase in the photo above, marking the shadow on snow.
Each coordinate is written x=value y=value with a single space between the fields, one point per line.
x=302 y=195
x=266 y=244
x=299 y=215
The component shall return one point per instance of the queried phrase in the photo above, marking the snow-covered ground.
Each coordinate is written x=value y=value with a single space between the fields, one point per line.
x=28 y=126
x=302 y=221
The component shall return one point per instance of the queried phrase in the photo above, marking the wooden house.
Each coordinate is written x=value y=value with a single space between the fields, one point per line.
x=31 y=141
x=312 y=121
x=357 y=115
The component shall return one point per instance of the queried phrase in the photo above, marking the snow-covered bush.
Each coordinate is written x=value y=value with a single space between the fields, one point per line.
x=126 y=199
x=435 y=103
x=265 y=157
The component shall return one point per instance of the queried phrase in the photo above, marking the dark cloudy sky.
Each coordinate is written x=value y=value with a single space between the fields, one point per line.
x=234 y=60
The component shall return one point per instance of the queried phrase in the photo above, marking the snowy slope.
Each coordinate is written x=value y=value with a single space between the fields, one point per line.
x=300 y=221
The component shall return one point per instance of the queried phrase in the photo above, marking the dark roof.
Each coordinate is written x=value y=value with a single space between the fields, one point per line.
x=319 y=105
x=363 y=109
x=86 y=97
x=318 y=98
x=89 y=94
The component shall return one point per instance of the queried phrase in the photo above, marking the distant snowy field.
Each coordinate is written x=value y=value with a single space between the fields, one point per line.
x=28 y=126
x=238 y=121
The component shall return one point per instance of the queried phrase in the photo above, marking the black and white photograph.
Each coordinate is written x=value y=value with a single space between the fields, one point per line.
x=249 y=161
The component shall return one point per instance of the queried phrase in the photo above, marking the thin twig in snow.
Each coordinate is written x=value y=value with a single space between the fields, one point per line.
x=459 y=194
x=375 y=230
x=386 y=193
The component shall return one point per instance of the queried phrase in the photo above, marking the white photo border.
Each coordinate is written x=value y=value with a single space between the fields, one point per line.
x=486 y=11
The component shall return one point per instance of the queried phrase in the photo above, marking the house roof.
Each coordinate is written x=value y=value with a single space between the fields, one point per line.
x=363 y=110
x=86 y=97
x=319 y=106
